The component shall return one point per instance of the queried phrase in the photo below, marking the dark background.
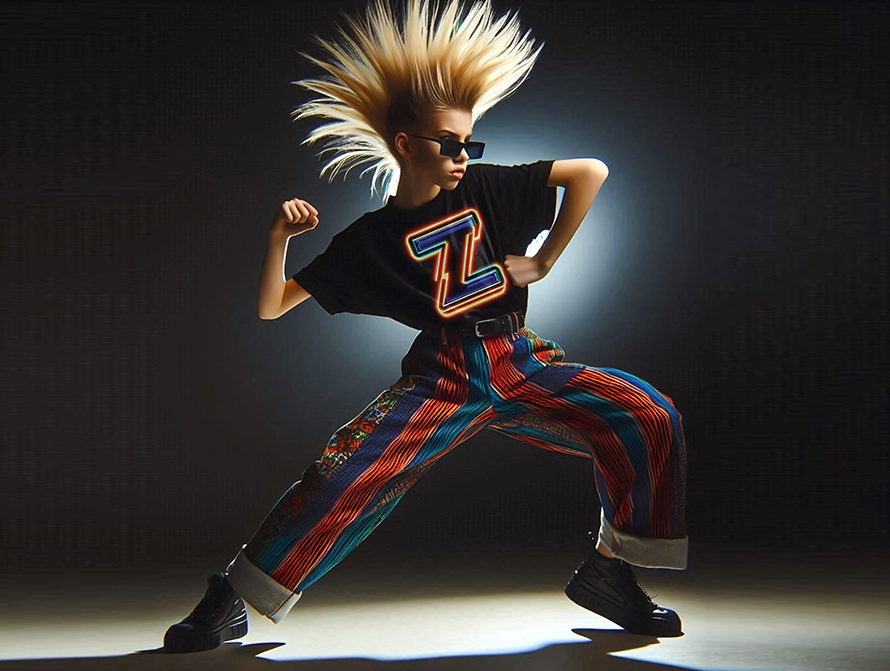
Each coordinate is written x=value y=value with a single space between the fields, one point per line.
x=736 y=259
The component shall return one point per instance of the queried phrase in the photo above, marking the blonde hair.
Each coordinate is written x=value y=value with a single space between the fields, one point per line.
x=390 y=71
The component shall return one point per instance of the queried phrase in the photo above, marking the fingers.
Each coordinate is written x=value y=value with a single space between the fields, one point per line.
x=302 y=210
x=299 y=211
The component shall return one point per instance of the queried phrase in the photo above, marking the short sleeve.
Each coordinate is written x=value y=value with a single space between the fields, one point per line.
x=527 y=201
x=329 y=277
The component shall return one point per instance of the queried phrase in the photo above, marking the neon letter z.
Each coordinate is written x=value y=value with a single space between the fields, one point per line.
x=473 y=287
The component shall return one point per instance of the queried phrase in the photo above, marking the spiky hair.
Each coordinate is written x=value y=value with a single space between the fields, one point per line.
x=429 y=58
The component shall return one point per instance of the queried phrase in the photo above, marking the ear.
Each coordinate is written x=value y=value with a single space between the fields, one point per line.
x=402 y=144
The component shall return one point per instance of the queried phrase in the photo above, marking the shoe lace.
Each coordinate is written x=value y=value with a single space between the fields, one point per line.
x=210 y=605
x=646 y=596
x=640 y=591
x=204 y=611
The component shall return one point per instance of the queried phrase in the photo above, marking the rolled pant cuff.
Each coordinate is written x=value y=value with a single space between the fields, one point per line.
x=257 y=588
x=641 y=551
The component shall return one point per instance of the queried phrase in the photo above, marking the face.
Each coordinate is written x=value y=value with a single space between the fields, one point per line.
x=423 y=157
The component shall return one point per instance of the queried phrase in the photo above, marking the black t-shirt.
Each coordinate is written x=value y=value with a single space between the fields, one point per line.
x=442 y=262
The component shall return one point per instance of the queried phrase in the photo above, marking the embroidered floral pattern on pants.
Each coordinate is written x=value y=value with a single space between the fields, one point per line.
x=342 y=445
x=348 y=438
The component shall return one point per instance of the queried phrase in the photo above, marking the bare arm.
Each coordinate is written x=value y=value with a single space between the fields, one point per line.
x=277 y=296
x=582 y=179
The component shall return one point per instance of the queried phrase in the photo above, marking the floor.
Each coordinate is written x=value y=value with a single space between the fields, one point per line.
x=469 y=612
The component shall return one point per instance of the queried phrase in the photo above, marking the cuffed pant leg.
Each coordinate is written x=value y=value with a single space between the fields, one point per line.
x=669 y=553
x=633 y=432
x=268 y=597
x=366 y=467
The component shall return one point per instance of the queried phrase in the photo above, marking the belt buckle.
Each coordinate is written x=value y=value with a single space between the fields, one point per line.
x=504 y=321
x=476 y=326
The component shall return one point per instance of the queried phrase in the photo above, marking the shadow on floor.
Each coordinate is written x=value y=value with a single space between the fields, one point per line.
x=594 y=654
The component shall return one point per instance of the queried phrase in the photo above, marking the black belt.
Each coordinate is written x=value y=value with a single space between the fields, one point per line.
x=505 y=324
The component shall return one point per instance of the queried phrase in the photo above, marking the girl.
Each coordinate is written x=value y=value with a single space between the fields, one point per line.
x=446 y=255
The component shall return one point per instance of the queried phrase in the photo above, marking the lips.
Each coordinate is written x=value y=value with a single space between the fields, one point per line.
x=457 y=174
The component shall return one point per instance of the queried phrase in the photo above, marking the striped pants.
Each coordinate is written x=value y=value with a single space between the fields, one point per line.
x=449 y=391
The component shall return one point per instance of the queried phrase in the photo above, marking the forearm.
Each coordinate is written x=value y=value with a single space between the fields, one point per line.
x=271 y=291
x=576 y=201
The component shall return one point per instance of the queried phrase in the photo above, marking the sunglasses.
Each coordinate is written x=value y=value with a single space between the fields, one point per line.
x=453 y=148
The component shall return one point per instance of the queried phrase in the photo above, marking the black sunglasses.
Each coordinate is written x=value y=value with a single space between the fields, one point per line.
x=453 y=148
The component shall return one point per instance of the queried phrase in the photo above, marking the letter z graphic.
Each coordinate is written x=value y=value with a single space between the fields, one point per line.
x=473 y=287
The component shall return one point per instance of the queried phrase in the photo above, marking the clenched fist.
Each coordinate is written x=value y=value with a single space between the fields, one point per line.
x=294 y=217
x=523 y=270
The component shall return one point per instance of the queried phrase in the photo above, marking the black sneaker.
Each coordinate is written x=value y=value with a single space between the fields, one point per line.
x=220 y=616
x=608 y=587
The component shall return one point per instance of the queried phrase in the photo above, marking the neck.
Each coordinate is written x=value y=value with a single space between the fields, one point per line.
x=413 y=191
